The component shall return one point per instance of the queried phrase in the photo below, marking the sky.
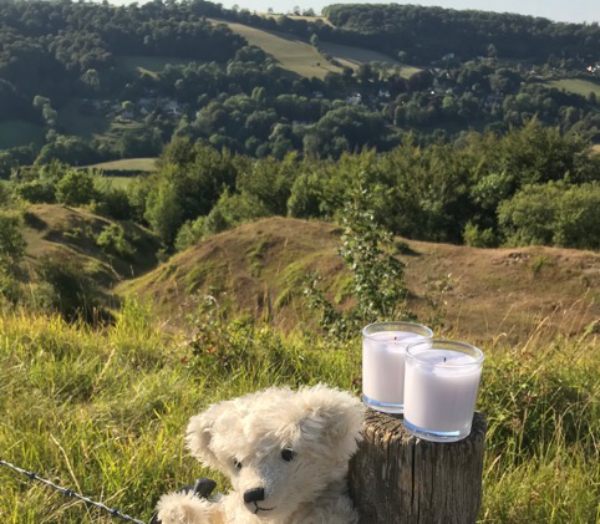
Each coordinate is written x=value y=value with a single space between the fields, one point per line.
x=561 y=10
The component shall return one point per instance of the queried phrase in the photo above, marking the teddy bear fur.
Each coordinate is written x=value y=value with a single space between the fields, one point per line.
x=245 y=438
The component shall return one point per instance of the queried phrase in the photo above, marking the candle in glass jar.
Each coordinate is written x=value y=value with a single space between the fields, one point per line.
x=440 y=388
x=384 y=351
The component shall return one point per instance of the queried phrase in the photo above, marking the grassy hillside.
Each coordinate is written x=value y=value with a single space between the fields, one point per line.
x=302 y=58
x=577 y=86
x=259 y=268
x=293 y=54
x=72 y=233
x=354 y=57
x=146 y=65
x=20 y=133
x=105 y=412
x=136 y=165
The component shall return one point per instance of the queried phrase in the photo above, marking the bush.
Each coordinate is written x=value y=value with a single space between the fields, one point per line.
x=66 y=288
x=36 y=191
x=474 y=236
x=553 y=213
x=76 y=188
x=12 y=243
x=114 y=203
x=112 y=240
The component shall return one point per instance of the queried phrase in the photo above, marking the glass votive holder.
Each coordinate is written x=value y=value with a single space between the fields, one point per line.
x=440 y=389
x=383 y=356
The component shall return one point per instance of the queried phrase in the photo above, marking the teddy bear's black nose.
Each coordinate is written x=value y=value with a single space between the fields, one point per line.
x=254 y=495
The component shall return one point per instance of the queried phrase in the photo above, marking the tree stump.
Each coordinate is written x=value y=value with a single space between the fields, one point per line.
x=396 y=478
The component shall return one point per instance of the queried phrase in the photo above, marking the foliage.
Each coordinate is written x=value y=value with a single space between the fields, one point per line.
x=12 y=243
x=67 y=289
x=76 y=188
x=378 y=285
x=112 y=240
x=553 y=214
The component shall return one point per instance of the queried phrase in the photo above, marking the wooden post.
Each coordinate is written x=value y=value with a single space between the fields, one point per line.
x=396 y=478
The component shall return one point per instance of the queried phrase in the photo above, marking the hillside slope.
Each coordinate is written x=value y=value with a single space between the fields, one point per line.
x=71 y=234
x=259 y=269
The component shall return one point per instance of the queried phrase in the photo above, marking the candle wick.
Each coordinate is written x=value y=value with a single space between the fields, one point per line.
x=445 y=359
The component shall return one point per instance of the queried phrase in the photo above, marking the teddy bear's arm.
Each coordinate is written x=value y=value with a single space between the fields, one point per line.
x=185 y=508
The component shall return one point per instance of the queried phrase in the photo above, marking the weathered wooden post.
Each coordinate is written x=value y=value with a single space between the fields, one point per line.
x=396 y=478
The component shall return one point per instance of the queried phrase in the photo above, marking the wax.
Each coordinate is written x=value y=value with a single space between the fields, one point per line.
x=383 y=365
x=440 y=391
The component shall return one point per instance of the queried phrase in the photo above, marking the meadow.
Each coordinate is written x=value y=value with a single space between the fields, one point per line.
x=146 y=65
x=104 y=411
x=135 y=165
x=292 y=53
x=304 y=59
x=577 y=86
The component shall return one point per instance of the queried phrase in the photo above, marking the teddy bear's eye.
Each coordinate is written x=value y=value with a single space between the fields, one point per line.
x=287 y=454
x=237 y=464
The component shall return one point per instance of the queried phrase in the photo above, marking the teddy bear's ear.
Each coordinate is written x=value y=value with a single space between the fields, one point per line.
x=199 y=435
x=333 y=419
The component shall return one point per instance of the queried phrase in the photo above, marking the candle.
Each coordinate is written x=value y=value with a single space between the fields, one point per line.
x=384 y=351
x=440 y=389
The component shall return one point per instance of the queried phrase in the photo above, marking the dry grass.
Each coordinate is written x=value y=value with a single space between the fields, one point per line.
x=259 y=268
x=71 y=233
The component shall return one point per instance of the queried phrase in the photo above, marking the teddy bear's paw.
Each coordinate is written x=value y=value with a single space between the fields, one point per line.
x=185 y=508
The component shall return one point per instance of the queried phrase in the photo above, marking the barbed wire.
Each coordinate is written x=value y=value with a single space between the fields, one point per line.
x=70 y=493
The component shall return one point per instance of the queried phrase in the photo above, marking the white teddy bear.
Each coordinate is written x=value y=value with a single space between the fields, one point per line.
x=286 y=453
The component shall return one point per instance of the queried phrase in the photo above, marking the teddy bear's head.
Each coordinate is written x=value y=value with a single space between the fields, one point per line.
x=280 y=448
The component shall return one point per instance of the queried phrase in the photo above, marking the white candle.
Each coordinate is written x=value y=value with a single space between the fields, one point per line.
x=384 y=351
x=440 y=389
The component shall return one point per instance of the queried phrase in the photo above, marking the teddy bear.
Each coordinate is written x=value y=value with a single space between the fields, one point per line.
x=285 y=452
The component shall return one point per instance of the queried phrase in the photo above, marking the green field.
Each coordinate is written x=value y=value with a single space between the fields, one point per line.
x=104 y=411
x=354 y=57
x=147 y=65
x=15 y=133
x=140 y=165
x=577 y=86
x=292 y=54
x=302 y=58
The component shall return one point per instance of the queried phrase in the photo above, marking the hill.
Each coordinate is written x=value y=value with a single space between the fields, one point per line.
x=72 y=234
x=300 y=57
x=258 y=268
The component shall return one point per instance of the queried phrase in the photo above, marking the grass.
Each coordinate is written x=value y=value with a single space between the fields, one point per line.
x=15 y=133
x=105 y=411
x=302 y=58
x=354 y=57
x=492 y=291
x=136 y=165
x=292 y=53
x=146 y=65
x=577 y=86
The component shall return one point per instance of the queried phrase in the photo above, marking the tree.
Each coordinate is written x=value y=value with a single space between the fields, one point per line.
x=164 y=211
x=76 y=188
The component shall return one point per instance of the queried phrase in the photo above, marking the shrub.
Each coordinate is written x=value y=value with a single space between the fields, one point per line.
x=114 y=203
x=112 y=240
x=76 y=188
x=553 y=213
x=36 y=191
x=474 y=236
x=12 y=243
x=67 y=289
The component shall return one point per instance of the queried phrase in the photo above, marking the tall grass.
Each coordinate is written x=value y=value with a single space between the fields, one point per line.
x=104 y=412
